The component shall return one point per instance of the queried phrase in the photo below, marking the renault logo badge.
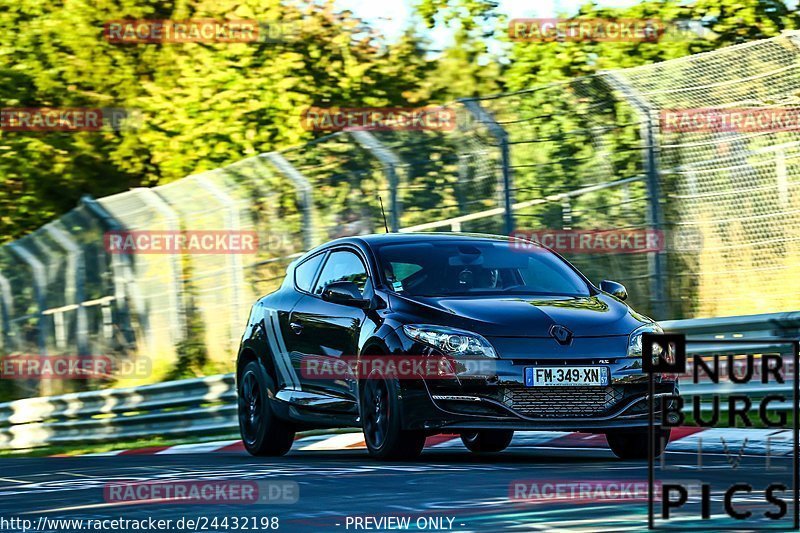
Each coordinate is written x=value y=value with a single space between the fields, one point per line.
x=561 y=334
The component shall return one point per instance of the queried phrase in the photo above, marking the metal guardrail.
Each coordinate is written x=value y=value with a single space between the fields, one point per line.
x=759 y=328
x=206 y=406
x=762 y=326
x=202 y=406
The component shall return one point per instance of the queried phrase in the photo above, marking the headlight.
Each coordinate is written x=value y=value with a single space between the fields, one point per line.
x=451 y=341
x=635 y=340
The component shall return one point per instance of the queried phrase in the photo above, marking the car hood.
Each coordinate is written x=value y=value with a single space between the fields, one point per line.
x=525 y=316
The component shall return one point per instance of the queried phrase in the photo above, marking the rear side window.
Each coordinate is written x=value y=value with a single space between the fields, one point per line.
x=304 y=272
x=342 y=266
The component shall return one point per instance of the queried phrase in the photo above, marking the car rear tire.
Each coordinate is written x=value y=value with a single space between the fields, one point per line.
x=262 y=432
x=632 y=444
x=487 y=441
x=380 y=418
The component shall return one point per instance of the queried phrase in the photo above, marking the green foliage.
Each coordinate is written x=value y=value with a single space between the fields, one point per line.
x=691 y=28
x=203 y=106
x=200 y=105
x=735 y=22
x=468 y=66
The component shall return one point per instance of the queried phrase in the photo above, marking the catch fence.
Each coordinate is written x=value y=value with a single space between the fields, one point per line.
x=594 y=153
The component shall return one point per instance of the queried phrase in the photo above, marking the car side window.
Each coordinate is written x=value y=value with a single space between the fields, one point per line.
x=304 y=273
x=399 y=273
x=342 y=266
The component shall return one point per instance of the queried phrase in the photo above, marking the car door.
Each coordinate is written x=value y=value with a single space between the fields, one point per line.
x=277 y=321
x=328 y=332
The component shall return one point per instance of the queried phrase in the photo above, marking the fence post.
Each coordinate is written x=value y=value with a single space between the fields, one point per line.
x=6 y=308
x=500 y=134
x=655 y=216
x=303 y=187
x=75 y=285
x=390 y=162
x=39 y=284
x=464 y=173
x=126 y=294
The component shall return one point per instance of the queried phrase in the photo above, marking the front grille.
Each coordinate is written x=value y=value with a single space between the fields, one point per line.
x=559 y=402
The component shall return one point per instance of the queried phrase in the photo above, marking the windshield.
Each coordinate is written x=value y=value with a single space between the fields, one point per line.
x=463 y=268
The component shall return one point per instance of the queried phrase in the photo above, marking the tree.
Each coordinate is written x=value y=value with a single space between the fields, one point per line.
x=202 y=105
x=468 y=66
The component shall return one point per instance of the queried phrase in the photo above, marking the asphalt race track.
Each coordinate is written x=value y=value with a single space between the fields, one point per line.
x=447 y=484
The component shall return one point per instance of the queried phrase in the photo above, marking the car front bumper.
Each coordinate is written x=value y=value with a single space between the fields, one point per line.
x=501 y=399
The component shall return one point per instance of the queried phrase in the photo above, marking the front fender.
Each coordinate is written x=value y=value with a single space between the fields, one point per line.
x=387 y=340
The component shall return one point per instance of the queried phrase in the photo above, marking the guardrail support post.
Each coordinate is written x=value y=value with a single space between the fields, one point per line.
x=390 y=162
x=500 y=134
x=304 y=197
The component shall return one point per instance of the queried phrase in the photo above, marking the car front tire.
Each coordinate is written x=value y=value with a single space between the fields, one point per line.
x=262 y=432
x=632 y=444
x=487 y=441
x=380 y=418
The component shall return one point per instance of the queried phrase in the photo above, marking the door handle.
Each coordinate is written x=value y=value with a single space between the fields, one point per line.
x=296 y=327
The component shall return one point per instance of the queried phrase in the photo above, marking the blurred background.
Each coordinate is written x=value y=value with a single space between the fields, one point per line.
x=556 y=135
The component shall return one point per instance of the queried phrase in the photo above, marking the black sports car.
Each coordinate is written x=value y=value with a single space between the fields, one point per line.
x=410 y=335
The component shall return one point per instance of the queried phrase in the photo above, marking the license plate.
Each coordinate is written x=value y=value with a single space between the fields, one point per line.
x=566 y=376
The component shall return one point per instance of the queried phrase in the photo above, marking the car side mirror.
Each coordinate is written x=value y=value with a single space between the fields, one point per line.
x=345 y=293
x=614 y=289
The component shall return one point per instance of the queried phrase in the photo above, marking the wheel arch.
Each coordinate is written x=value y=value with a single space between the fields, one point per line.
x=256 y=351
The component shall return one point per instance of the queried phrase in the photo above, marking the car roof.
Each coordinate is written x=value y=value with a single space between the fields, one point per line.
x=400 y=238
